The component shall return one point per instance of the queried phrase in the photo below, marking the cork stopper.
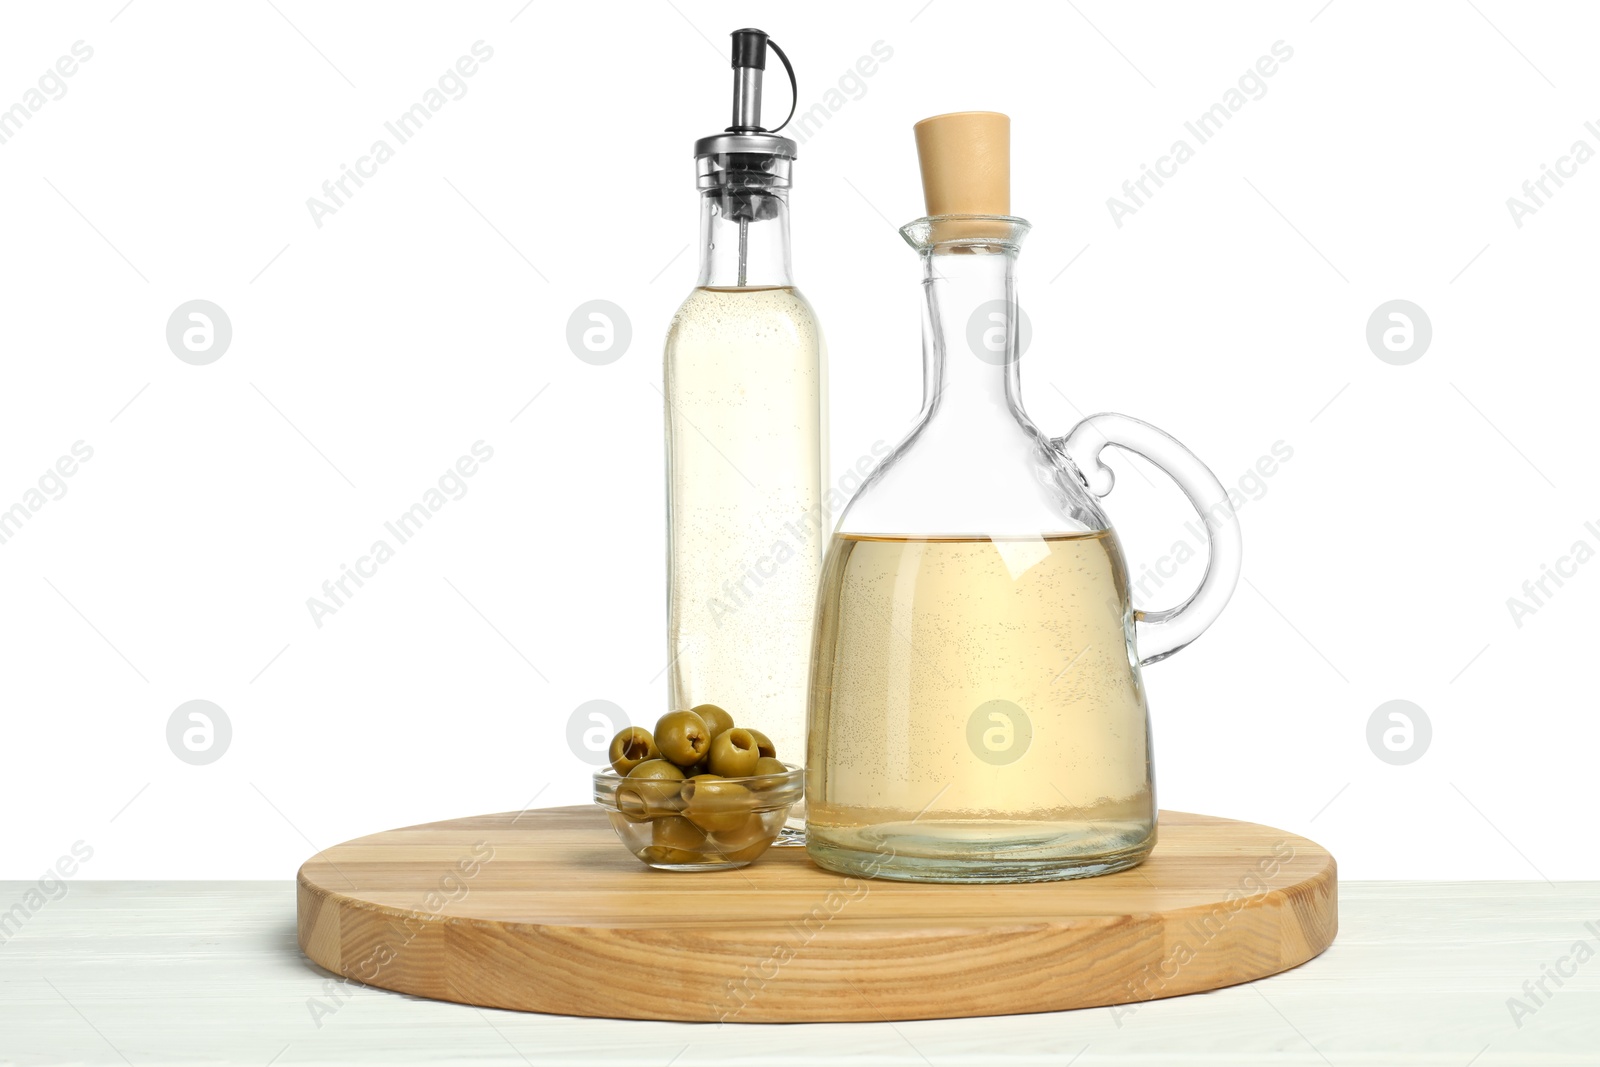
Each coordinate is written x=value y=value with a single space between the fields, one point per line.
x=966 y=163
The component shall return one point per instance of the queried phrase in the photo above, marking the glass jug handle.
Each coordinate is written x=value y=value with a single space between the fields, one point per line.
x=1158 y=634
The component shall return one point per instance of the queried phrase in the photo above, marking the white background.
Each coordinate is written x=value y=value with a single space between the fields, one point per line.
x=368 y=354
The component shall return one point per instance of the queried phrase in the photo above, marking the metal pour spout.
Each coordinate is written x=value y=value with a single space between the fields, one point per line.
x=749 y=67
x=746 y=167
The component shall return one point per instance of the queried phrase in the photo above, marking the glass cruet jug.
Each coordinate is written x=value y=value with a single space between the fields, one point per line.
x=976 y=711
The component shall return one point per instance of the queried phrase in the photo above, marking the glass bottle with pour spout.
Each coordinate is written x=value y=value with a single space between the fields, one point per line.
x=745 y=393
x=977 y=712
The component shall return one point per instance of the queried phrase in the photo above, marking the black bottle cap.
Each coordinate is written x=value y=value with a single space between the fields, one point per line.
x=750 y=49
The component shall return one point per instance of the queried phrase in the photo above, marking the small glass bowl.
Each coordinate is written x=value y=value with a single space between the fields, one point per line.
x=706 y=825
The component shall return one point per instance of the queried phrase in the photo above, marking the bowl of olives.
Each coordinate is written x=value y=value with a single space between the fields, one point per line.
x=698 y=793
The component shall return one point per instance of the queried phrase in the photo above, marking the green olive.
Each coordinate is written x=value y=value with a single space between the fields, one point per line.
x=683 y=737
x=766 y=767
x=632 y=747
x=620 y=821
x=632 y=804
x=745 y=854
x=716 y=719
x=733 y=754
x=714 y=804
x=764 y=745
x=651 y=788
x=675 y=831
x=752 y=830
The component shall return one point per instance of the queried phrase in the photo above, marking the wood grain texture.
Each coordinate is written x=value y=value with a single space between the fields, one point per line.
x=545 y=911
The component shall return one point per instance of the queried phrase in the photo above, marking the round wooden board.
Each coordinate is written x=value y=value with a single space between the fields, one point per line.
x=545 y=911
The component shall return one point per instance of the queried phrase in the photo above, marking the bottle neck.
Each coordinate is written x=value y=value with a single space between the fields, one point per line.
x=969 y=330
x=744 y=238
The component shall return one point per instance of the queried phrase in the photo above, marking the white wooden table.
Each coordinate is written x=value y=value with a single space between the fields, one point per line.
x=208 y=972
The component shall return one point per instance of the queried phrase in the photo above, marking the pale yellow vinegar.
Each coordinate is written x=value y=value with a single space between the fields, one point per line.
x=913 y=636
x=746 y=523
